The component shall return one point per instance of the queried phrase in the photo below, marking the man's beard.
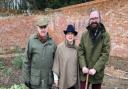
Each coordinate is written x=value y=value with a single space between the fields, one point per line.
x=94 y=25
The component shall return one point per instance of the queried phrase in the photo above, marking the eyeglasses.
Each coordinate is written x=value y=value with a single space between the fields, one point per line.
x=95 y=18
x=43 y=27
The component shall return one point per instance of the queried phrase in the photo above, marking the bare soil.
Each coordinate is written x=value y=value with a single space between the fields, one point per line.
x=116 y=74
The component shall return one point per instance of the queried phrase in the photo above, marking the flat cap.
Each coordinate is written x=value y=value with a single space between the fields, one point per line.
x=42 y=21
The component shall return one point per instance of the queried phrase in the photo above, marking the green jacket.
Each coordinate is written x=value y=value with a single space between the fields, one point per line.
x=94 y=54
x=37 y=67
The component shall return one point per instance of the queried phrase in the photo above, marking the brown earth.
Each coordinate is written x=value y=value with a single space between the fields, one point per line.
x=116 y=74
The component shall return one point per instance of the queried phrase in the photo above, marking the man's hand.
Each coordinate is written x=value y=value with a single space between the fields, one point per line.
x=56 y=83
x=85 y=70
x=92 y=71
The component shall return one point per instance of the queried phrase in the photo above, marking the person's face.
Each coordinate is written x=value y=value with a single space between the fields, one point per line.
x=94 y=19
x=42 y=30
x=70 y=37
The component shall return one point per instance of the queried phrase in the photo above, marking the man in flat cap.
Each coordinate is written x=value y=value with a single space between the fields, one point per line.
x=37 y=67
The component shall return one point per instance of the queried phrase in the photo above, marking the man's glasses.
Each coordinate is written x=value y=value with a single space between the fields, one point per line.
x=43 y=27
x=95 y=18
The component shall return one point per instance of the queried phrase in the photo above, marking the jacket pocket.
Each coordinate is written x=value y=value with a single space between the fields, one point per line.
x=43 y=84
x=35 y=77
x=25 y=73
x=50 y=80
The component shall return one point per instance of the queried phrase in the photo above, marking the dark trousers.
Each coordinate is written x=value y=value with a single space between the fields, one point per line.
x=94 y=86
x=72 y=87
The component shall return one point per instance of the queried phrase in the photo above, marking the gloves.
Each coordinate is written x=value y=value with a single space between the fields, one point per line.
x=92 y=71
x=85 y=70
x=28 y=84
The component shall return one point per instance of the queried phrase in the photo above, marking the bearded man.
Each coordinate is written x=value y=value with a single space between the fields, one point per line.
x=93 y=52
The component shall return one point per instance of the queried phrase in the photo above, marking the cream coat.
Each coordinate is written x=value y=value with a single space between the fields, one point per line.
x=65 y=65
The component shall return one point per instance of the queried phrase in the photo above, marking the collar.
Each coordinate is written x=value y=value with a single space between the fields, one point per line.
x=70 y=45
x=36 y=36
x=101 y=28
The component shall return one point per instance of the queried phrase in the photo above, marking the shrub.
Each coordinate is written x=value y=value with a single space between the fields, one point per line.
x=18 y=59
x=7 y=71
x=2 y=88
x=1 y=65
x=21 y=86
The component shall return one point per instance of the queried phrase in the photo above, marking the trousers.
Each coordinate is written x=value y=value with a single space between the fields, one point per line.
x=94 y=86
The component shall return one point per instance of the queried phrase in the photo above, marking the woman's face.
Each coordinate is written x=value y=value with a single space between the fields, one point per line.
x=70 y=37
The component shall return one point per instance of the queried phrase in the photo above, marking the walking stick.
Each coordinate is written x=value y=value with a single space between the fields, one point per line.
x=86 y=85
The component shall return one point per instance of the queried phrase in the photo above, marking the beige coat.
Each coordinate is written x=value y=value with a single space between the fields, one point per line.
x=65 y=65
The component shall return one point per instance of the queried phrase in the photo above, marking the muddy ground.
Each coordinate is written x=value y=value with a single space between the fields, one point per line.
x=116 y=74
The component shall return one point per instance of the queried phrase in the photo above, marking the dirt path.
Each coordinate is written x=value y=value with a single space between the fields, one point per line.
x=114 y=83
